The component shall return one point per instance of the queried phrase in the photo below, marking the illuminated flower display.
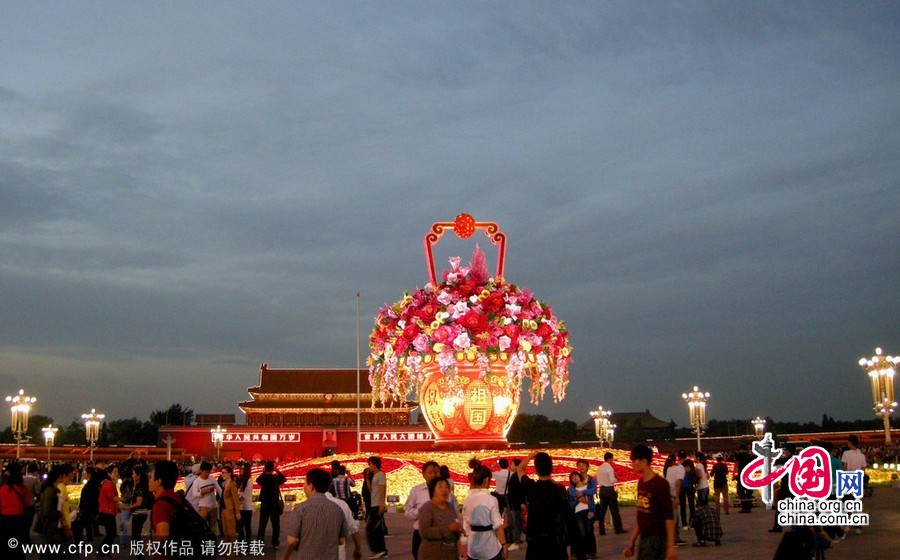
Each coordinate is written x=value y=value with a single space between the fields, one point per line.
x=466 y=343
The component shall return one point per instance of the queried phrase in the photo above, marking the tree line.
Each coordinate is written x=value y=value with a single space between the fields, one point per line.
x=125 y=431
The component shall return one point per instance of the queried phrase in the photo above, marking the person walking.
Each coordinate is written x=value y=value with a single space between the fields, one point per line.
x=654 y=534
x=317 y=527
x=231 y=505
x=674 y=473
x=439 y=524
x=550 y=520
x=584 y=515
x=141 y=502
x=245 y=487
x=609 y=498
x=108 y=509
x=481 y=519
x=270 y=503
x=15 y=501
x=720 y=484
x=375 y=519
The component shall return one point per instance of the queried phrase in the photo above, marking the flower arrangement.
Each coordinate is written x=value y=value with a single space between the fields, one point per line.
x=468 y=316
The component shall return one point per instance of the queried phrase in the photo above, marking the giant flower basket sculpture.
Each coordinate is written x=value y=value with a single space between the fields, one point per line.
x=466 y=344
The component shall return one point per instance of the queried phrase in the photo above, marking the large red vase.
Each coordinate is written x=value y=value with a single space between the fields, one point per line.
x=478 y=413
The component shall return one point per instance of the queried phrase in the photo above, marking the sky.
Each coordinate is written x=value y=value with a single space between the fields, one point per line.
x=707 y=193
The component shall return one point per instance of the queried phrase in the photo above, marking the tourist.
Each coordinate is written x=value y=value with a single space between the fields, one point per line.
x=782 y=488
x=108 y=509
x=165 y=503
x=15 y=502
x=245 y=487
x=687 y=493
x=419 y=496
x=375 y=520
x=741 y=459
x=439 y=523
x=835 y=532
x=609 y=498
x=654 y=534
x=352 y=528
x=853 y=460
x=550 y=519
x=720 y=483
x=189 y=480
x=85 y=526
x=675 y=477
x=231 y=505
x=141 y=501
x=501 y=483
x=317 y=527
x=205 y=491
x=584 y=513
x=481 y=519
x=270 y=504
x=53 y=523
x=32 y=483
x=706 y=523
x=702 y=477
x=516 y=497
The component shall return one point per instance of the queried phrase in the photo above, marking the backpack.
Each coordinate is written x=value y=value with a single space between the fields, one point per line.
x=188 y=526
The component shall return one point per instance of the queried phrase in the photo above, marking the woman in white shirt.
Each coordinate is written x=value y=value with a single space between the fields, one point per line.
x=245 y=490
x=702 y=479
x=481 y=519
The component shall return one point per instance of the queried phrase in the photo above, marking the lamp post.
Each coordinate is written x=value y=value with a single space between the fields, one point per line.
x=696 y=401
x=92 y=422
x=881 y=373
x=759 y=426
x=218 y=437
x=603 y=426
x=19 y=405
x=49 y=435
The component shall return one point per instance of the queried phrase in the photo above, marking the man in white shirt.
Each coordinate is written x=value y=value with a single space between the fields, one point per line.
x=352 y=528
x=205 y=491
x=189 y=481
x=854 y=460
x=418 y=497
x=674 y=477
x=609 y=498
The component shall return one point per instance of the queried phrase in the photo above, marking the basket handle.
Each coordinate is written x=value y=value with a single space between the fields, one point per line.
x=464 y=226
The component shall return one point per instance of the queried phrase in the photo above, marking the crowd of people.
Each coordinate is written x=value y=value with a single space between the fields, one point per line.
x=504 y=509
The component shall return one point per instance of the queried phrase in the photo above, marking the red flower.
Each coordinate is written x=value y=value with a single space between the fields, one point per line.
x=475 y=322
x=427 y=312
x=544 y=330
x=411 y=332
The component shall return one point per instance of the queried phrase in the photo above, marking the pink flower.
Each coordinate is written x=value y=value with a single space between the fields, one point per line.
x=443 y=334
x=462 y=341
x=504 y=343
x=421 y=343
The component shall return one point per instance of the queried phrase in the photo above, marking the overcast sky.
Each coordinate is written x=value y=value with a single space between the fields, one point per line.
x=707 y=193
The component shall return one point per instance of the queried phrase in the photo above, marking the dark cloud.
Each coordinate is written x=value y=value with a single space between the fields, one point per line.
x=705 y=193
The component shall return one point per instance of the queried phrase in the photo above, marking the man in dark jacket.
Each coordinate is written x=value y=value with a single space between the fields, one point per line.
x=550 y=519
x=270 y=482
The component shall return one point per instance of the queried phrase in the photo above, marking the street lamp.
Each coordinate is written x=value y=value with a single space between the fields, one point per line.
x=759 y=426
x=696 y=401
x=881 y=373
x=20 y=405
x=603 y=426
x=92 y=428
x=218 y=437
x=49 y=435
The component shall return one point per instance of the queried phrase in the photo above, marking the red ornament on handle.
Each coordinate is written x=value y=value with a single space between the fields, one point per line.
x=464 y=226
